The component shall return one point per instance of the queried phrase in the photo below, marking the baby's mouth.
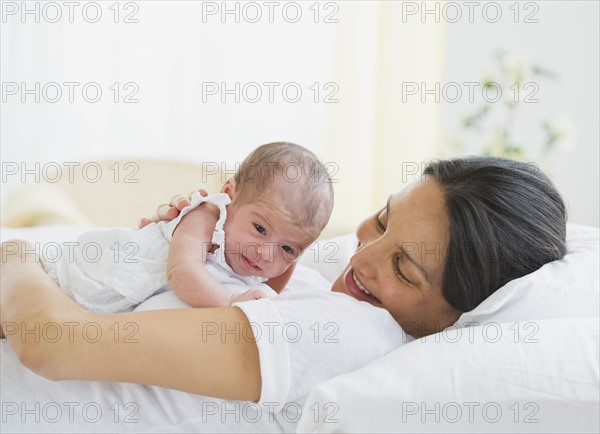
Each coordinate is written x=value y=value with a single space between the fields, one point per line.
x=250 y=264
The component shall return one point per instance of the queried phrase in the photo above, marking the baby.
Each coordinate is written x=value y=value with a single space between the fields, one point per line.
x=277 y=204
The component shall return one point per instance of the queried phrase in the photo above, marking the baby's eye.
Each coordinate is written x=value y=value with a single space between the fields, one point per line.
x=260 y=229
x=287 y=249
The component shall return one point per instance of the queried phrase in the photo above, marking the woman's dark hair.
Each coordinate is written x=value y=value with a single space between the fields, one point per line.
x=506 y=221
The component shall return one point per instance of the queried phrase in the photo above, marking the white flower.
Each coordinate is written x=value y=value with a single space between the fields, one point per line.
x=564 y=132
x=514 y=69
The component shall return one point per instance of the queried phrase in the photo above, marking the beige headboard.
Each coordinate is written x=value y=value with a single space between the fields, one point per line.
x=106 y=193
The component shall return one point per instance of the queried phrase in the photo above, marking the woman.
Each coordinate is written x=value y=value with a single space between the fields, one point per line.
x=436 y=250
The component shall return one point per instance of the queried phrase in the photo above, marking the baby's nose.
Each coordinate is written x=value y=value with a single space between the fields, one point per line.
x=258 y=253
x=266 y=251
x=255 y=252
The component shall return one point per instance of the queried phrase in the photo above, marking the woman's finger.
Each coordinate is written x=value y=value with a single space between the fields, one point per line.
x=202 y=192
x=166 y=212
x=170 y=214
x=179 y=202
x=144 y=222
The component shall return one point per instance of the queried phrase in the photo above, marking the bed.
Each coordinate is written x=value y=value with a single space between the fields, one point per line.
x=527 y=359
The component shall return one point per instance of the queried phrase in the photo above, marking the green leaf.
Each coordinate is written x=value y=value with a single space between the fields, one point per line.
x=541 y=71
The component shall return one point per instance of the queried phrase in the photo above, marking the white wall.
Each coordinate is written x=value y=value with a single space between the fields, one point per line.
x=171 y=51
x=352 y=50
x=168 y=54
x=564 y=40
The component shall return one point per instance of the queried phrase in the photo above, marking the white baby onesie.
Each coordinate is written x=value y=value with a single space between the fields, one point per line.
x=113 y=270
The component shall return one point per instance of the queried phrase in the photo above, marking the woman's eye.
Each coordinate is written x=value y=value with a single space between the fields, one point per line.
x=399 y=273
x=260 y=229
x=379 y=224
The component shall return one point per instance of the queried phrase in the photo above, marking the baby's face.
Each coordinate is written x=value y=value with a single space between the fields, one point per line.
x=261 y=240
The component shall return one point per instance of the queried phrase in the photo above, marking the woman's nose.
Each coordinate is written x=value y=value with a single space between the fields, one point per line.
x=368 y=252
x=366 y=232
x=365 y=260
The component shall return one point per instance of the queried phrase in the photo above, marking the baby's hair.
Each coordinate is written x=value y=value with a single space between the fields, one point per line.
x=308 y=195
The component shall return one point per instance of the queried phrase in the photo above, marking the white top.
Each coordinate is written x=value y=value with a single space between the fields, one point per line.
x=308 y=335
x=215 y=263
x=305 y=336
x=113 y=270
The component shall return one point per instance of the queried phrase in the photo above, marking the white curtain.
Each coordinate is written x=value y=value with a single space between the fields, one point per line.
x=356 y=57
x=378 y=136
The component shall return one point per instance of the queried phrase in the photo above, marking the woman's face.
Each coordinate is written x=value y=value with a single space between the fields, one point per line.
x=400 y=259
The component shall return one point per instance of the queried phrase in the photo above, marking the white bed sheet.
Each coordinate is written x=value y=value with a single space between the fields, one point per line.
x=565 y=387
x=31 y=403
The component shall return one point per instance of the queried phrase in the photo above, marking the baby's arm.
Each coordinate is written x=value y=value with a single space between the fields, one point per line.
x=186 y=270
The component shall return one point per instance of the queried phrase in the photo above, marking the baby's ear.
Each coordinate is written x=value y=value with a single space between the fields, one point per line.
x=230 y=188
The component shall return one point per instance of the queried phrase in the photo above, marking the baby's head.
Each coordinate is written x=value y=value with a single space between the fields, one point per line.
x=281 y=199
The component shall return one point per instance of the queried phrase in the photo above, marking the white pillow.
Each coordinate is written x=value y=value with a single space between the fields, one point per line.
x=531 y=365
x=561 y=289
x=547 y=382
x=329 y=257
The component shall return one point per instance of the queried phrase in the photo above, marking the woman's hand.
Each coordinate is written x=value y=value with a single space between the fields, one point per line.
x=23 y=305
x=14 y=253
x=170 y=211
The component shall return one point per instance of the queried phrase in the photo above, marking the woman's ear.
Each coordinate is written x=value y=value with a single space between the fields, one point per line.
x=230 y=188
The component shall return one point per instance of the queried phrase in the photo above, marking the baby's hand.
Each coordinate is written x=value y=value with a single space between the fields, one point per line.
x=251 y=294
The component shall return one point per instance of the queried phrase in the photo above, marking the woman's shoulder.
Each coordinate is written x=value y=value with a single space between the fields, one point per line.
x=307 y=335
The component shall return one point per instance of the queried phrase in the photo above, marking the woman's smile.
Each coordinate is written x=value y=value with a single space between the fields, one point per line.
x=355 y=288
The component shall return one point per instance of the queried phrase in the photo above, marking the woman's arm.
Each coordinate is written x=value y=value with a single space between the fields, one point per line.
x=192 y=350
